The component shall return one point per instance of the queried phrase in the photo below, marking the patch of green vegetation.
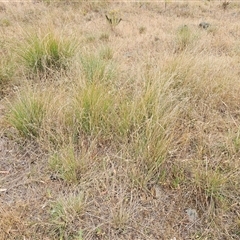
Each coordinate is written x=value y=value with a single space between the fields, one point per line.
x=92 y=109
x=41 y=54
x=64 y=212
x=96 y=69
x=5 y=22
x=184 y=37
x=6 y=73
x=27 y=113
x=68 y=164
x=106 y=53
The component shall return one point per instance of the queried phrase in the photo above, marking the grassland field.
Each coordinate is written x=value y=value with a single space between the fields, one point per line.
x=119 y=120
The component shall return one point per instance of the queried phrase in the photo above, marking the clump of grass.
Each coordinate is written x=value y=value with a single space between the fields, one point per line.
x=151 y=123
x=90 y=38
x=120 y=217
x=184 y=37
x=106 y=53
x=104 y=37
x=5 y=23
x=211 y=182
x=96 y=69
x=93 y=106
x=65 y=212
x=27 y=113
x=68 y=164
x=6 y=73
x=42 y=54
x=6 y=66
x=141 y=121
x=211 y=185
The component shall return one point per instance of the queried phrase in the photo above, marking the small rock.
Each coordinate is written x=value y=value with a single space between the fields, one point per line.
x=192 y=214
x=204 y=25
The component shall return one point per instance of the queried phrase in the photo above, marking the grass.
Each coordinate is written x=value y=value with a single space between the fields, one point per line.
x=6 y=73
x=68 y=164
x=41 y=54
x=184 y=37
x=6 y=69
x=93 y=108
x=64 y=212
x=132 y=132
x=96 y=68
x=27 y=113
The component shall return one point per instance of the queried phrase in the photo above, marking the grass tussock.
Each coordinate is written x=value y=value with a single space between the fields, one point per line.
x=6 y=73
x=184 y=37
x=136 y=136
x=69 y=164
x=46 y=53
x=27 y=113
x=65 y=213
x=93 y=106
x=96 y=68
x=7 y=68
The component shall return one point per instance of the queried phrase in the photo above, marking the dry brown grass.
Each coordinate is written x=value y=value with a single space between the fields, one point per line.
x=121 y=138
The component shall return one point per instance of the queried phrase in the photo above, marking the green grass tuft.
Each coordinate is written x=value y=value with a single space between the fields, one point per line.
x=42 y=54
x=64 y=212
x=96 y=69
x=27 y=113
x=184 y=37
x=68 y=164
x=92 y=109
